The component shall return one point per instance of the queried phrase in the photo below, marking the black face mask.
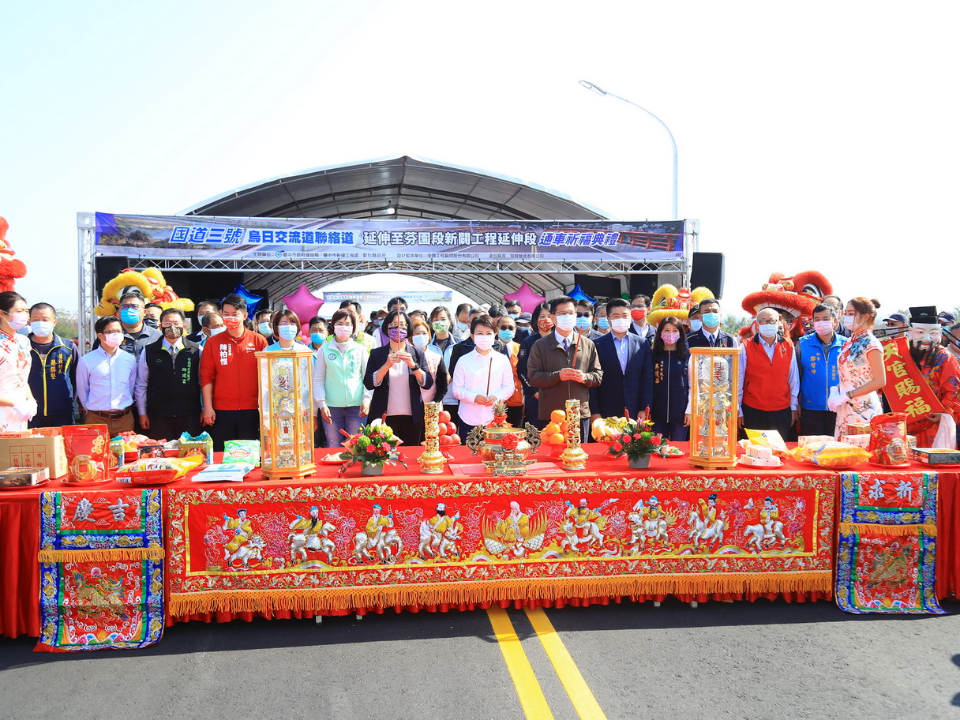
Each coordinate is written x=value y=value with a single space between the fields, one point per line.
x=150 y=322
x=172 y=333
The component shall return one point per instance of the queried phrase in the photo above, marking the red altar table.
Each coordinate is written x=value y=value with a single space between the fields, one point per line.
x=19 y=541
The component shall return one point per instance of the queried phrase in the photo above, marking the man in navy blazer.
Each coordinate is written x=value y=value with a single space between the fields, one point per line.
x=627 y=362
x=710 y=334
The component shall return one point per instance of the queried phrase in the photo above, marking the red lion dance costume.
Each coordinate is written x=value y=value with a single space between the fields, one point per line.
x=10 y=270
x=795 y=297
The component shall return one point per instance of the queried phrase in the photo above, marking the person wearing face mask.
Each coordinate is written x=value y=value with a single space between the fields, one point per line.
x=53 y=372
x=860 y=366
x=228 y=378
x=513 y=309
x=380 y=336
x=341 y=399
x=263 y=324
x=395 y=373
x=836 y=303
x=639 y=308
x=627 y=364
x=564 y=365
x=136 y=334
x=318 y=332
x=285 y=326
x=769 y=380
x=482 y=378
x=151 y=315
x=106 y=378
x=17 y=405
x=506 y=334
x=444 y=340
x=211 y=325
x=603 y=322
x=585 y=320
x=462 y=327
x=696 y=322
x=421 y=339
x=671 y=381
x=710 y=334
x=523 y=327
x=204 y=307
x=543 y=322
x=167 y=389
x=817 y=356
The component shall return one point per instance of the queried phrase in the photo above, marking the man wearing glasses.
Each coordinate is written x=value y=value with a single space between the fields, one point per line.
x=136 y=334
x=585 y=320
x=769 y=380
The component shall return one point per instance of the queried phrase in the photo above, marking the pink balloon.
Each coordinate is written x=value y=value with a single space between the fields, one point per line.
x=527 y=298
x=304 y=303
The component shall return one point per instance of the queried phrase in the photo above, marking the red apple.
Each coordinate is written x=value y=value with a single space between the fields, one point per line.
x=454 y=439
x=445 y=440
x=445 y=416
x=443 y=429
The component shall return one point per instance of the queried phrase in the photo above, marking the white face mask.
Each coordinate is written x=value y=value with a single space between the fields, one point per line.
x=620 y=325
x=216 y=331
x=823 y=327
x=848 y=321
x=769 y=331
x=483 y=342
x=420 y=341
x=18 y=320
x=342 y=332
x=566 y=322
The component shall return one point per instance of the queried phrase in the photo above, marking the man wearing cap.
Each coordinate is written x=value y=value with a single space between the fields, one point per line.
x=896 y=320
x=942 y=373
x=523 y=326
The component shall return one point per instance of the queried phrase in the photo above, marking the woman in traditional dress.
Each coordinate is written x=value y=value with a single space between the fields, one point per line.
x=860 y=366
x=17 y=405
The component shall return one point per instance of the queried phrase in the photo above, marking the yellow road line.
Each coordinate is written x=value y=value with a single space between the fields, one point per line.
x=531 y=695
x=583 y=700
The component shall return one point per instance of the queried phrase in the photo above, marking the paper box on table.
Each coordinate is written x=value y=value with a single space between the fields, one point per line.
x=34 y=452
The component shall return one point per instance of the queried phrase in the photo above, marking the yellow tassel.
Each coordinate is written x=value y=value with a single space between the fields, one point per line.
x=105 y=555
x=182 y=604
x=892 y=530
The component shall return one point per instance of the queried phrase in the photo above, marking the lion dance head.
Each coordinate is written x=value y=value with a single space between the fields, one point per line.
x=151 y=285
x=670 y=300
x=795 y=297
x=11 y=269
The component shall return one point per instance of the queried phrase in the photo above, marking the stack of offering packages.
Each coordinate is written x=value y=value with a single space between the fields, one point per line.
x=831 y=454
x=230 y=472
x=768 y=438
x=200 y=446
x=759 y=456
x=936 y=456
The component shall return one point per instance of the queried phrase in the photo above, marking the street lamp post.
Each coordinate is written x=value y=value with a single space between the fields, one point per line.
x=590 y=86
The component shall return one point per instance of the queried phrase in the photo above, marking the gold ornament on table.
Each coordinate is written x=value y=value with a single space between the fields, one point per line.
x=573 y=458
x=431 y=460
x=713 y=409
x=285 y=380
x=503 y=448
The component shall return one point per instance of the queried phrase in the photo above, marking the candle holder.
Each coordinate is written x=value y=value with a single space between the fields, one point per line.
x=573 y=457
x=431 y=460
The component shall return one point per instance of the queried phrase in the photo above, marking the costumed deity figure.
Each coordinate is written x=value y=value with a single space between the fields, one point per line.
x=708 y=528
x=669 y=300
x=310 y=533
x=941 y=370
x=242 y=530
x=581 y=527
x=795 y=297
x=11 y=270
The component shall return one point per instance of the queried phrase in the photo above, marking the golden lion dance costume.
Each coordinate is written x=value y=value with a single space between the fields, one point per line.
x=670 y=300
x=150 y=283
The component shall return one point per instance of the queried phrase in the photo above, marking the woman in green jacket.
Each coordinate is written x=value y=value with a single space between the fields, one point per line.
x=338 y=380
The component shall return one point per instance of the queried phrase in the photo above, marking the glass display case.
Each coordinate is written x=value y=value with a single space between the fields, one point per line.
x=714 y=383
x=286 y=413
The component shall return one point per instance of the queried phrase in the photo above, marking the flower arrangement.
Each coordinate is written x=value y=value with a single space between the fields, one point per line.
x=374 y=445
x=636 y=440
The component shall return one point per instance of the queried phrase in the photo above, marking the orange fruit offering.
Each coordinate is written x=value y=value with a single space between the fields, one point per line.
x=556 y=439
x=551 y=428
x=558 y=416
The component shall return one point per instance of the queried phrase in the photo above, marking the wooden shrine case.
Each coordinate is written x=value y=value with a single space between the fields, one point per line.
x=715 y=384
x=286 y=413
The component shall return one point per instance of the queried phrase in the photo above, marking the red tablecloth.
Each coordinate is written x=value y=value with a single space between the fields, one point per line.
x=19 y=537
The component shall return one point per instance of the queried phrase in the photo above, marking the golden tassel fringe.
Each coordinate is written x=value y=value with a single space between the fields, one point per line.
x=892 y=530
x=104 y=555
x=387 y=596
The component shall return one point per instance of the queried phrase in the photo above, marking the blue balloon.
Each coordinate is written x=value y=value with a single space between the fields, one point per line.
x=578 y=294
x=253 y=301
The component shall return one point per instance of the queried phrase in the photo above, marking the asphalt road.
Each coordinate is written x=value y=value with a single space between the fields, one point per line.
x=720 y=660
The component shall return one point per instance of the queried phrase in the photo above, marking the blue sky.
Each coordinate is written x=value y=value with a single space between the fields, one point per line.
x=820 y=135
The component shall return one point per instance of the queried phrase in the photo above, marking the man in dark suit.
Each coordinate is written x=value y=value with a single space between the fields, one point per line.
x=710 y=335
x=639 y=308
x=627 y=362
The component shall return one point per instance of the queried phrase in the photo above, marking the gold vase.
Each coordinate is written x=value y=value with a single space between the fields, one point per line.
x=573 y=458
x=431 y=460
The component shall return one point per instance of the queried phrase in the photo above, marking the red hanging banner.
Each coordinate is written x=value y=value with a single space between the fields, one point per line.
x=907 y=390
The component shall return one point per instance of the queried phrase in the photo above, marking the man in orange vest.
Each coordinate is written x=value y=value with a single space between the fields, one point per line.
x=769 y=381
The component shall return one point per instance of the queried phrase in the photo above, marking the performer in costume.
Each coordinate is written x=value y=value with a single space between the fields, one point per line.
x=242 y=529
x=941 y=371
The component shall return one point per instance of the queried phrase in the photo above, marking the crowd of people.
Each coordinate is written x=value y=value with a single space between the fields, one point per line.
x=145 y=373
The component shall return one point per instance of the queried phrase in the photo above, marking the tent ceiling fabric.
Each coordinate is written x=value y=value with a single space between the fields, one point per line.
x=414 y=188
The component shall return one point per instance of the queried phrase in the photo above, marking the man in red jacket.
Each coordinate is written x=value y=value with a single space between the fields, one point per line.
x=228 y=378
x=769 y=381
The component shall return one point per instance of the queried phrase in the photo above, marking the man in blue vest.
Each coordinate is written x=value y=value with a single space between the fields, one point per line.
x=167 y=390
x=53 y=373
x=817 y=354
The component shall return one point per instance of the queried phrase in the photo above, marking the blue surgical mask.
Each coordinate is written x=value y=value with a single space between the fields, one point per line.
x=514 y=315
x=265 y=328
x=711 y=319
x=317 y=338
x=288 y=332
x=603 y=323
x=696 y=324
x=41 y=328
x=583 y=323
x=507 y=335
x=463 y=326
x=129 y=316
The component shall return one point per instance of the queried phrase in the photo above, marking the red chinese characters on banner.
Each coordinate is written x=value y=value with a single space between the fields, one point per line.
x=100 y=511
x=901 y=490
x=907 y=390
